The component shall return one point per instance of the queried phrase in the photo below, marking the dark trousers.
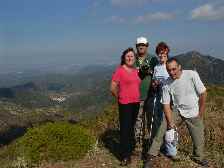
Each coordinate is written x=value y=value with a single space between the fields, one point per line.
x=127 y=117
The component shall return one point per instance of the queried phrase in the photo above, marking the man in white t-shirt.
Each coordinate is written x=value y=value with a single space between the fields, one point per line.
x=186 y=93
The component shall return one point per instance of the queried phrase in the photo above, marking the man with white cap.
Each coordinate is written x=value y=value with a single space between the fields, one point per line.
x=145 y=63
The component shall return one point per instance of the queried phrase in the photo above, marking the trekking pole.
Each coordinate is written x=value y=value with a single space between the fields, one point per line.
x=152 y=119
x=143 y=123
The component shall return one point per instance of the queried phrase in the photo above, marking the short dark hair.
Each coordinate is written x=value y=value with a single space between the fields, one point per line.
x=130 y=49
x=173 y=59
x=162 y=46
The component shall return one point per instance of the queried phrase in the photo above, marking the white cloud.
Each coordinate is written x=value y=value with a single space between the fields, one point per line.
x=158 y=16
x=115 y=19
x=127 y=3
x=147 y=18
x=208 y=12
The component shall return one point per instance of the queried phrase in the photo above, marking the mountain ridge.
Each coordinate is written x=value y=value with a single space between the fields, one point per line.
x=210 y=69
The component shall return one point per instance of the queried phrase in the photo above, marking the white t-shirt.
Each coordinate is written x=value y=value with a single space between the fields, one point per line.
x=160 y=73
x=184 y=93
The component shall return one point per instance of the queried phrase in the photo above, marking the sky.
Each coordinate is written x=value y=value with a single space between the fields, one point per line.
x=55 y=32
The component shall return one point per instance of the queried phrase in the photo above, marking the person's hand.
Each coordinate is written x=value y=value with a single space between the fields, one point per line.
x=171 y=126
x=200 y=115
x=145 y=67
x=155 y=84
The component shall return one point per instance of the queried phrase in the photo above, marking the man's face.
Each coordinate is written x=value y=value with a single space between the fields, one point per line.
x=174 y=70
x=142 y=49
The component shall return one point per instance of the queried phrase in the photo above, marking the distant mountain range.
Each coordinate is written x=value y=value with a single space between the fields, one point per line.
x=30 y=97
x=210 y=69
x=94 y=79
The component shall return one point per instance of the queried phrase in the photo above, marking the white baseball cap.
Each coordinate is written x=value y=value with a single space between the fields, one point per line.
x=141 y=40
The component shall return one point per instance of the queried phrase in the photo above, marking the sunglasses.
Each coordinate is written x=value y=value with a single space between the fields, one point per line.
x=142 y=44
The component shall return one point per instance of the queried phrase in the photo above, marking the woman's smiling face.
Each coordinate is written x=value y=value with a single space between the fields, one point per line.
x=163 y=56
x=130 y=58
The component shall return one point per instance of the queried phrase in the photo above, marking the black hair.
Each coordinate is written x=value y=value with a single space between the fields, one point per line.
x=130 y=49
x=173 y=59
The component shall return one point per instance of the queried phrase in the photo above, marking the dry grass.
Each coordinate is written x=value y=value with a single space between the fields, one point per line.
x=105 y=153
x=214 y=136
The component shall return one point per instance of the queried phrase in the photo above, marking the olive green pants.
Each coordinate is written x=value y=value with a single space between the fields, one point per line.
x=196 y=130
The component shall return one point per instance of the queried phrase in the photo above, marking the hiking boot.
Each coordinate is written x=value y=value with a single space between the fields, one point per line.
x=126 y=161
x=148 y=162
x=203 y=162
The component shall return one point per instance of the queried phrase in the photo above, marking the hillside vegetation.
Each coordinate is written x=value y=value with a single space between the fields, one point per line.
x=55 y=142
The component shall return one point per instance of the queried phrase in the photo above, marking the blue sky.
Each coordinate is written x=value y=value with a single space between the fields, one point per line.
x=54 y=32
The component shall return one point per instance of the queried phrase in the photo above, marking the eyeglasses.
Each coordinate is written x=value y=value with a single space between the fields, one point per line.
x=172 y=69
x=141 y=44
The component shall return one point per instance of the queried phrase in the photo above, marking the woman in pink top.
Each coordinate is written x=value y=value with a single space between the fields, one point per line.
x=125 y=87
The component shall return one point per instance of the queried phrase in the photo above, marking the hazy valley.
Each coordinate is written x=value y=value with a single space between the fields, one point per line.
x=31 y=98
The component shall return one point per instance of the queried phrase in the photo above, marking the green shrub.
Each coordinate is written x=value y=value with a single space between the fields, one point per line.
x=55 y=141
x=108 y=119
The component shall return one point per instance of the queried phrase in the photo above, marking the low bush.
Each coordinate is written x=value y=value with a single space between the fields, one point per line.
x=54 y=141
